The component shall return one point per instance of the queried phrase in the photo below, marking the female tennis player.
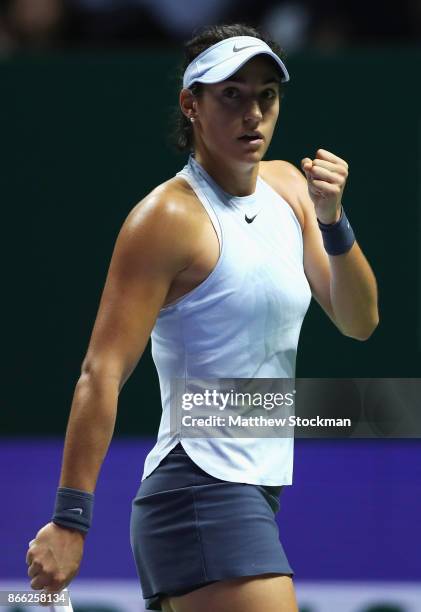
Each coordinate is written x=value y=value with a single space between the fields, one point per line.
x=218 y=264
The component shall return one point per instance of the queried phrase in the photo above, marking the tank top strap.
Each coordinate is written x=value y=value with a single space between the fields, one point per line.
x=199 y=187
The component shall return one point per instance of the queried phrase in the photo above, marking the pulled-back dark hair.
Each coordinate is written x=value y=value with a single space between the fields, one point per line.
x=182 y=131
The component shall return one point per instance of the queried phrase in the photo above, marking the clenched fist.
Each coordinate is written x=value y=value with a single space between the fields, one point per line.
x=326 y=177
x=54 y=557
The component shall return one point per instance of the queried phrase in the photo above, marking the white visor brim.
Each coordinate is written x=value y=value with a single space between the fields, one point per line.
x=223 y=59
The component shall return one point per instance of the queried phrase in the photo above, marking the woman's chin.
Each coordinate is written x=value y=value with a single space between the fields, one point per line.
x=252 y=156
x=252 y=150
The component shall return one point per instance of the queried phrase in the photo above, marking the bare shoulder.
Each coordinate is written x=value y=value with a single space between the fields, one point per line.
x=172 y=202
x=164 y=224
x=165 y=217
x=290 y=183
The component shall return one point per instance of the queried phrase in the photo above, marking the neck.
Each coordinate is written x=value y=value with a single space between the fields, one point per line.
x=237 y=179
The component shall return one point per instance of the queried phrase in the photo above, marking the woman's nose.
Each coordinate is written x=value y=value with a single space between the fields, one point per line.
x=253 y=111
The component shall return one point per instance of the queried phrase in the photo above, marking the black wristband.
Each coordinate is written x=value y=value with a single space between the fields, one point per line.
x=338 y=237
x=73 y=508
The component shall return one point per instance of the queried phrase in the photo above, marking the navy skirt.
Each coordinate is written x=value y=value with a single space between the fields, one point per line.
x=189 y=529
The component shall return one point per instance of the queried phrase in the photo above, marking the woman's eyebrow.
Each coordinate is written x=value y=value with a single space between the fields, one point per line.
x=239 y=79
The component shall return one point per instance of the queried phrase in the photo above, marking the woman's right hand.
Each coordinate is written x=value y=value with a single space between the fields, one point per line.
x=54 y=557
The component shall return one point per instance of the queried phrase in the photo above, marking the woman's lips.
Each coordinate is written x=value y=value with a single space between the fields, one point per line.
x=257 y=141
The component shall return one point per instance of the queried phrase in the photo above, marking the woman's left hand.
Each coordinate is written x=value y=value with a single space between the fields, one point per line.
x=326 y=178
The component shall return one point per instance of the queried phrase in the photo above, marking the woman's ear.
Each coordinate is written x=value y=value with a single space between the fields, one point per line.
x=187 y=104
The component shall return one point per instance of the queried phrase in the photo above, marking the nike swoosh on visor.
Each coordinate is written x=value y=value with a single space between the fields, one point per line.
x=235 y=48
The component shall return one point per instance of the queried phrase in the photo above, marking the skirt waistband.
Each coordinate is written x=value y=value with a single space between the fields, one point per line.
x=271 y=493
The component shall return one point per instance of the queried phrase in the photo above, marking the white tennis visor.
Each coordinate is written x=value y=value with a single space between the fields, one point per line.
x=224 y=58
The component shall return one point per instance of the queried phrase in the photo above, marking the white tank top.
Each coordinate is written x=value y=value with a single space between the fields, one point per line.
x=242 y=321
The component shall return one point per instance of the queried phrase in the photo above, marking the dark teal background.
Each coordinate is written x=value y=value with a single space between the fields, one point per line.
x=84 y=137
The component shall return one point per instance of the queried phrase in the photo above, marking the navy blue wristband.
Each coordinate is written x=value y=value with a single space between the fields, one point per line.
x=73 y=508
x=338 y=237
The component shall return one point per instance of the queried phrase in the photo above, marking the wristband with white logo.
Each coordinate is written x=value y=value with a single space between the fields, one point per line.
x=338 y=237
x=73 y=509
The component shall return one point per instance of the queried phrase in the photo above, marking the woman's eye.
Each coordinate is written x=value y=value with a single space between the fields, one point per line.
x=269 y=94
x=231 y=92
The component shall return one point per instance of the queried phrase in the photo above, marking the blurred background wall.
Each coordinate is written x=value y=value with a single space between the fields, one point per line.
x=88 y=91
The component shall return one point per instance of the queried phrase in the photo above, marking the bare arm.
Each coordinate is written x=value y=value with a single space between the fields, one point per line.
x=152 y=247
x=350 y=295
x=150 y=250
x=344 y=285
